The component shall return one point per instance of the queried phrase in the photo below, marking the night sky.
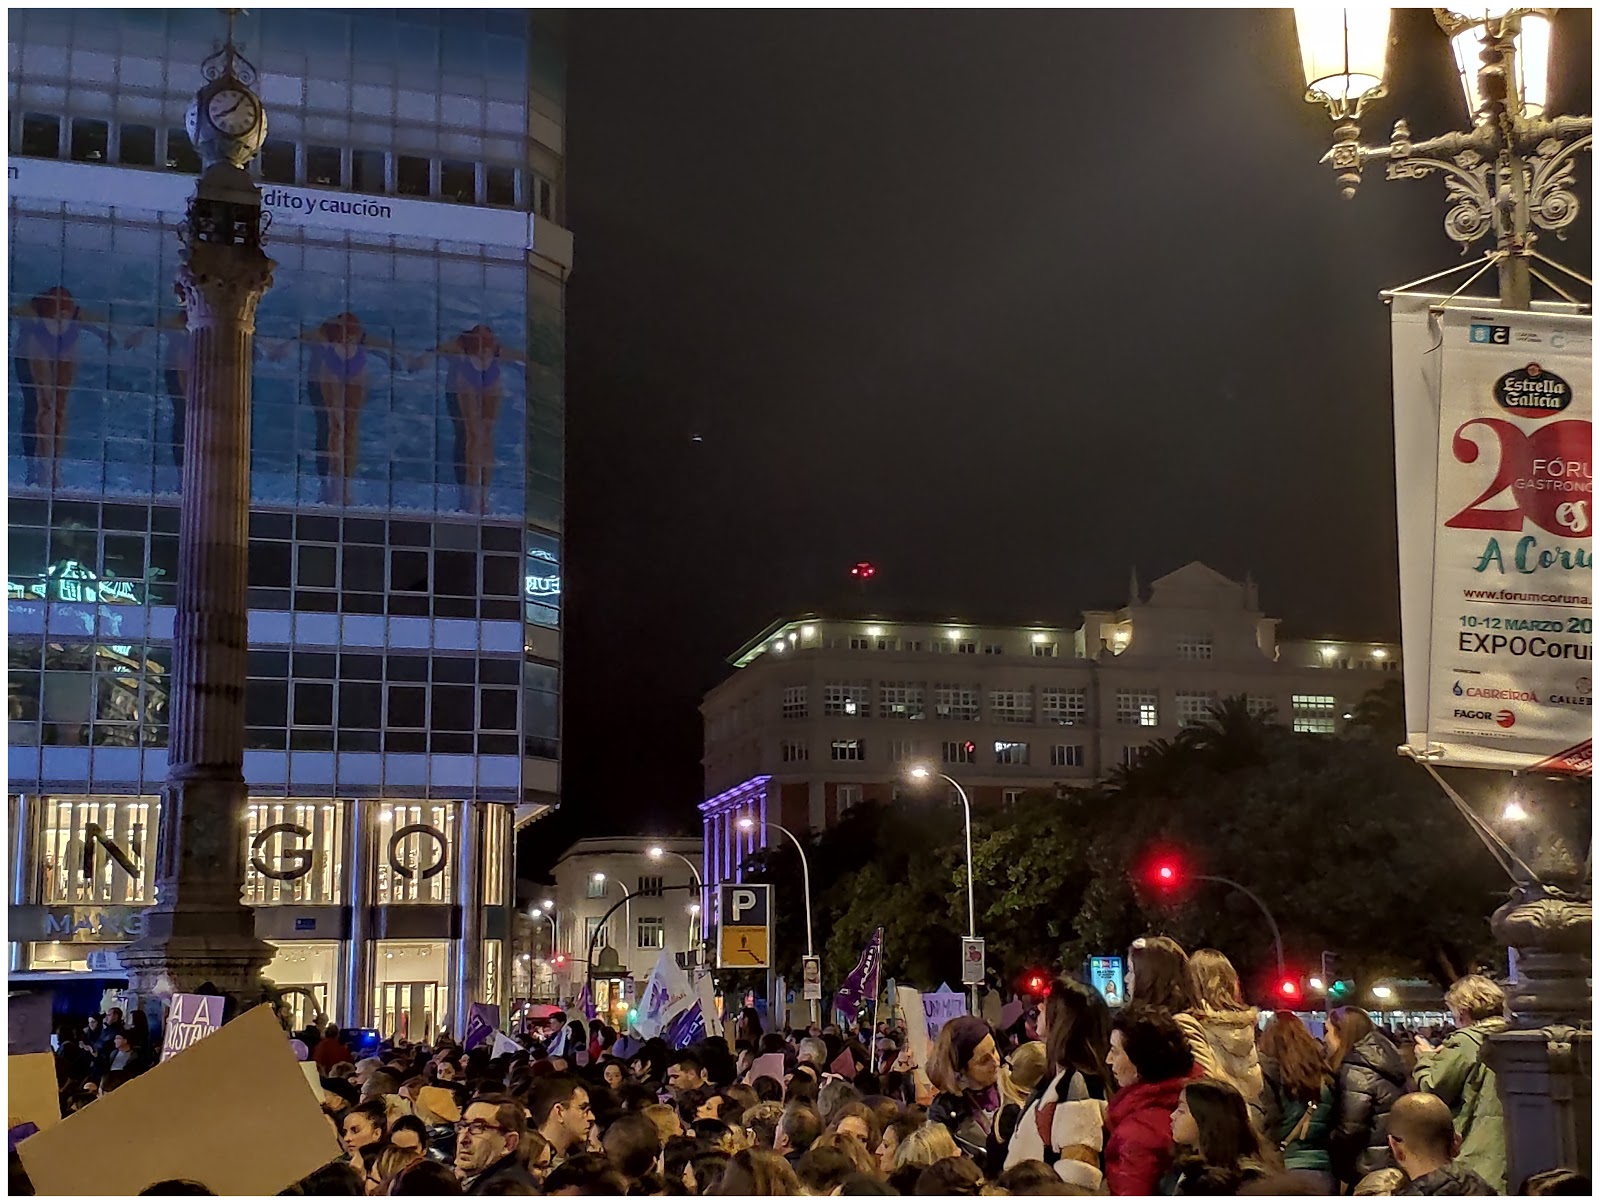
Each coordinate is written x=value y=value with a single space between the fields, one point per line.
x=1006 y=303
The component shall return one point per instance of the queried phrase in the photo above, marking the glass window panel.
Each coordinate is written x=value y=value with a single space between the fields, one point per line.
x=319 y=566
x=277 y=161
x=408 y=706
x=180 y=152
x=360 y=705
x=269 y=563
x=412 y=176
x=415 y=853
x=500 y=185
x=367 y=167
x=408 y=571
x=453 y=709
x=324 y=166
x=458 y=181
x=498 y=710
x=266 y=703
x=457 y=574
x=294 y=853
x=41 y=135
x=98 y=851
x=313 y=704
x=91 y=140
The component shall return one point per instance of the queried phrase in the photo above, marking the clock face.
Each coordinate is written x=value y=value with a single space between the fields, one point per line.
x=233 y=112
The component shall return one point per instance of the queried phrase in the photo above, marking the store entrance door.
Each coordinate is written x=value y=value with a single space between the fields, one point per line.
x=408 y=1011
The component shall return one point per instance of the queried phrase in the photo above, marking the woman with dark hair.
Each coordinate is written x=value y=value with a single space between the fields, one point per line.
x=1298 y=1101
x=749 y=1029
x=613 y=1073
x=1150 y=1059
x=1063 y=1121
x=1369 y=1076
x=1220 y=1150
x=964 y=1066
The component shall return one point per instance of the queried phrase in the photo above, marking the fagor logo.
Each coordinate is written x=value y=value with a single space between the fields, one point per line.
x=1506 y=718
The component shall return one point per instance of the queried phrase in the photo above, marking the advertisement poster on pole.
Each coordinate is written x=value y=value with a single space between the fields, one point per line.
x=812 y=977
x=971 y=961
x=1507 y=570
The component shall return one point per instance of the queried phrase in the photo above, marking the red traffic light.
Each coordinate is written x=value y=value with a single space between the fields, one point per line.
x=863 y=570
x=1166 y=873
x=1289 y=988
x=561 y=959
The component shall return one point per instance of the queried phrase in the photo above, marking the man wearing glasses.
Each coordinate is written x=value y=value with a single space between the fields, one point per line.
x=487 y=1139
x=558 y=1106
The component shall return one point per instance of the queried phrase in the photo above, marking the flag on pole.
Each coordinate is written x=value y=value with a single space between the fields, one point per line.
x=689 y=1027
x=665 y=994
x=862 y=983
x=586 y=1001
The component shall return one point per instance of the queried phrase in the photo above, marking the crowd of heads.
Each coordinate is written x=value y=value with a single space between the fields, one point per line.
x=1183 y=1090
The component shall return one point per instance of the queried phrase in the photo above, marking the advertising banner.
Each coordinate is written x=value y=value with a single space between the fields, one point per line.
x=192 y=1019
x=1508 y=567
x=1105 y=976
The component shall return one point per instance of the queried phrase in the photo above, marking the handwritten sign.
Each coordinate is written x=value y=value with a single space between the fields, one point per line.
x=193 y=1018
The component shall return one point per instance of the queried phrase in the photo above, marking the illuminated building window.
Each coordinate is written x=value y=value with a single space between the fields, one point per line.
x=99 y=850
x=594 y=888
x=490 y=989
x=1066 y=756
x=1063 y=707
x=1193 y=707
x=1010 y=752
x=955 y=702
x=496 y=840
x=794 y=702
x=847 y=698
x=652 y=932
x=795 y=750
x=958 y=752
x=1315 y=713
x=901 y=700
x=1194 y=648
x=649 y=884
x=294 y=853
x=1137 y=708
x=849 y=750
x=1260 y=704
x=415 y=855
x=1011 y=706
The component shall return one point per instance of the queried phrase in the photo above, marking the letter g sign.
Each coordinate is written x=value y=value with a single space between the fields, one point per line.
x=298 y=858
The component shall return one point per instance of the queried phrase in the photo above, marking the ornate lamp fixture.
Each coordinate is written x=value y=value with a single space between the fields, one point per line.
x=1510 y=174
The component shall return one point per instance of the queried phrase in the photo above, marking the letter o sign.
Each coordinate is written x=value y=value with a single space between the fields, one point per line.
x=299 y=859
x=405 y=871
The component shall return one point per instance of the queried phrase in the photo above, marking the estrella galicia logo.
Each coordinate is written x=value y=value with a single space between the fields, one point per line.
x=1482 y=332
x=1532 y=392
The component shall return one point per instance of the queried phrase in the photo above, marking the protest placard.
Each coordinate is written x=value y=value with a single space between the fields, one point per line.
x=191 y=1018
x=31 y=1090
x=910 y=1000
x=231 y=1112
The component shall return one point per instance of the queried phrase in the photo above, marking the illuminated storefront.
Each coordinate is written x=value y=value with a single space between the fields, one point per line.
x=403 y=688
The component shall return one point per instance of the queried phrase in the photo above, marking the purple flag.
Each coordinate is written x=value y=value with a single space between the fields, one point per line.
x=689 y=1027
x=482 y=1020
x=863 y=982
x=586 y=1002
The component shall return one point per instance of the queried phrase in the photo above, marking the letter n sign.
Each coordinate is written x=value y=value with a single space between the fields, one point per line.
x=744 y=913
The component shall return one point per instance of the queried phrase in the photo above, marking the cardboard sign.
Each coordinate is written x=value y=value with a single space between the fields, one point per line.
x=314 y=1078
x=769 y=1065
x=916 y=1023
x=941 y=1007
x=192 y=1018
x=184 y=1120
x=28 y=1023
x=31 y=1092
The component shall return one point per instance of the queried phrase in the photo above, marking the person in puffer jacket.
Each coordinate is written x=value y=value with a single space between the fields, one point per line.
x=1369 y=1076
x=1221 y=1029
x=1151 y=1063
x=1063 y=1121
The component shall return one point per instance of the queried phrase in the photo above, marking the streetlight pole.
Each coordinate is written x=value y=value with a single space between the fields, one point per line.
x=923 y=773
x=1277 y=937
x=748 y=824
x=656 y=853
x=199 y=931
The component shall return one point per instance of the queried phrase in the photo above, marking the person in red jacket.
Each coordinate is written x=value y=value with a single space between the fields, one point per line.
x=330 y=1051
x=1151 y=1061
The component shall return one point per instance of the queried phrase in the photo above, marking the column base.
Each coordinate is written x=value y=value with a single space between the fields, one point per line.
x=1546 y=1092
x=179 y=954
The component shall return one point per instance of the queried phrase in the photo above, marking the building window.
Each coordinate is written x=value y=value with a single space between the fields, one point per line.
x=1137 y=708
x=496 y=861
x=1194 y=648
x=369 y=170
x=794 y=702
x=795 y=750
x=1314 y=713
x=847 y=698
x=958 y=752
x=1131 y=754
x=412 y=175
x=941 y=646
x=887 y=643
x=1011 y=706
x=847 y=797
x=955 y=702
x=99 y=851
x=913 y=645
x=1260 y=705
x=901 y=751
x=136 y=145
x=419 y=866
x=41 y=135
x=1010 y=752
x=652 y=932
x=994 y=650
x=649 y=885
x=1066 y=756
x=594 y=888
x=967 y=647
x=324 y=166
x=1045 y=649
x=1063 y=707
x=308 y=842
x=849 y=750
x=1011 y=798
x=901 y=700
x=860 y=643
x=1194 y=707
x=91 y=140
x=595 y=936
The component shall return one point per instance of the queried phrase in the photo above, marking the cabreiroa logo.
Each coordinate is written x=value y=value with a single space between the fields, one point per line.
x=1532 y=392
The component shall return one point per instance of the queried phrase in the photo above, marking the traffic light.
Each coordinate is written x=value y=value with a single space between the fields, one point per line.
x=561 y=960
x=863 y=570
x=1289 y=990
x=1165 y=872
x=1339 y=989
x=1035 y=983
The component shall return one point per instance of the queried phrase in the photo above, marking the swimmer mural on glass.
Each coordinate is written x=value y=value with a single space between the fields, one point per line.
x=44 y=353
x=474 y=390
x=339 y=352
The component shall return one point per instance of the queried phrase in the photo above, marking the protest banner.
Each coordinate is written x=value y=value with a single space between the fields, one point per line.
x=314 y=1079
x=665 y=995
x=941 y=1007
x=766 y=1066
x=188 y=1117
x=31 y=1090
x=191 y=1019
x=502 y=1044
x=911 y=1007
x=482 y=1021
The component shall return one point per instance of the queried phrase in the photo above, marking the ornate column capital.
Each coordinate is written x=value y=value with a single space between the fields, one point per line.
x=219 y=283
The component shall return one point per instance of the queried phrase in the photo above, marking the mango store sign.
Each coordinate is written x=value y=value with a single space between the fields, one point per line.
x=169 y=192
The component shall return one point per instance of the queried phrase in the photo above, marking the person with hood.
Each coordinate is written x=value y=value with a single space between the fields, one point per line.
x=438 y=1110
x=1457 y=1073
x=1298 y=1103
x=1369 y=1077
x=964 y=1066
x=1063 y=1120
x=1425 y=1146
x=1220 y=1028
x=1151 y=1061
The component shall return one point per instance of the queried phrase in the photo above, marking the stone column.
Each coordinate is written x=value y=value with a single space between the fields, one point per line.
x=359 y=877
x=469 y=890
x=199 y=931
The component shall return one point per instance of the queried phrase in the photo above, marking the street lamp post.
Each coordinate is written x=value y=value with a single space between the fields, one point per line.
x=1512 y=172
x=656 y=853
x=1513 y=175
x=199 y=931
x=923 y=773
x=747 y=823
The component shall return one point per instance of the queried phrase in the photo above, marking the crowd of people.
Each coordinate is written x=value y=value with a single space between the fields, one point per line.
x=1183 y=1091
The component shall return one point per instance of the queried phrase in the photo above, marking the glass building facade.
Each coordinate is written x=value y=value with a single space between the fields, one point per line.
x=405 y=560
